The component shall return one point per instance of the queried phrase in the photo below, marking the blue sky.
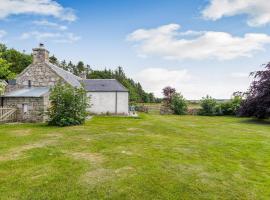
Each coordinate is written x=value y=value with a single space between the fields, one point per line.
x=199 y=47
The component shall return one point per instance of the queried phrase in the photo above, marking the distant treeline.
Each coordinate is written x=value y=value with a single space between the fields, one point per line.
x=13 y=62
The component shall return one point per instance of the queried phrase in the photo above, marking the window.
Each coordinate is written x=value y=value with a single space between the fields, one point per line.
x=29 y=83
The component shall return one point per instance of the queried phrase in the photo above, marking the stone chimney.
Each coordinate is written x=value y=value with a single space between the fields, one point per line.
x=40 y=54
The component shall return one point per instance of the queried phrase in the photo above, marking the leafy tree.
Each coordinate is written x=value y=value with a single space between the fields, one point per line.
x=5 y=72
x=79 y=68
x=257 y=102
x=68 y=105
x=3 y=48
x=209 y=106
x=151 y=97
x=168 y=93
x=19 y=61
x=179 y=104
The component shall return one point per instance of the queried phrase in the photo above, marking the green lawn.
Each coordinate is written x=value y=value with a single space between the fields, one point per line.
x=153 y=157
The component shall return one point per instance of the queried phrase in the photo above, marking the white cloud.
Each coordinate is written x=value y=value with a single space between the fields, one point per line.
x=68 y=38
x=191 y=86
x=154 y=79
x=49 y=36
x=2 y=33
x=45 y=23
x=240 y=75
x=168 y=42
x=37 y=7
x=258 y=11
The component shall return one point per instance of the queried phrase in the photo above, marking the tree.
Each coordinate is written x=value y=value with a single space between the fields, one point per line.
x=5 y=72
x=168 y=93
x=3 y=47
x=80 y=68
x=53 y=60
x=64 y=65
x=173 y=102
x=68 y=105
x=151 y=97
x=257 y=101
x=18 y=61
x=179 y=104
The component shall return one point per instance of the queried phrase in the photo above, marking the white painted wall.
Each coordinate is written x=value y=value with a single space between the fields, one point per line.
x=105 y=102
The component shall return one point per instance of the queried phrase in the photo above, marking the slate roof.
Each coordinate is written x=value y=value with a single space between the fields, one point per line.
x=28 y=92
x=67 y=76
x=103 y=85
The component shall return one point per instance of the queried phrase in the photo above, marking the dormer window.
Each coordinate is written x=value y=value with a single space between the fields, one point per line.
x=29 y=83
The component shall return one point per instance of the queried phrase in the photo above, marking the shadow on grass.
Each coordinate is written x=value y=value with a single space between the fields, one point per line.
x=256 y=121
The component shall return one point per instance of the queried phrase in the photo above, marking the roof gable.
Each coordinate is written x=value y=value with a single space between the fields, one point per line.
x=63 y=74
x=70 y=78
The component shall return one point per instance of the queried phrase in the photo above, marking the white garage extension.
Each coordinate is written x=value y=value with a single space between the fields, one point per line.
x=107 y=96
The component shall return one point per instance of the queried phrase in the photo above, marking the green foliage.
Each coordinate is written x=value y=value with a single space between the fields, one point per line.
x=209 y=107
x=18 y=61
x=68 y=105
x=53 y=60
x=2 y=87
x=231 y=107
x=5 y=72
x=173 y=102
x=179 y=104
x=76 y=69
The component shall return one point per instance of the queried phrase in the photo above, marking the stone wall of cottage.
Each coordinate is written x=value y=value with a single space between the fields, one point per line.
x=36 y=108
x=40 y=75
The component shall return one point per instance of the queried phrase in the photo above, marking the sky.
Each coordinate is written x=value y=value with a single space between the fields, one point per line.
x=199 y=47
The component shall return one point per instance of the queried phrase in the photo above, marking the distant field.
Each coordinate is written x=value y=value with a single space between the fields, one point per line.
x=154 y=108
x=151 y=157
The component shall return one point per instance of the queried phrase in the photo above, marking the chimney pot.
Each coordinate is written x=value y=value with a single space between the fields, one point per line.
x=40 y=54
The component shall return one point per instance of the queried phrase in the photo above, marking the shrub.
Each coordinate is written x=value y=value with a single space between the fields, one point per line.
x=231 y=107
x=68 y=105
x=179 y=104
x=209 y=107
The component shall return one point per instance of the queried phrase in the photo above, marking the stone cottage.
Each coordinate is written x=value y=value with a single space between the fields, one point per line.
x=30 y=92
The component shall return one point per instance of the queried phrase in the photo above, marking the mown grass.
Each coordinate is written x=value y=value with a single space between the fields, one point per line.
x=152 y=157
